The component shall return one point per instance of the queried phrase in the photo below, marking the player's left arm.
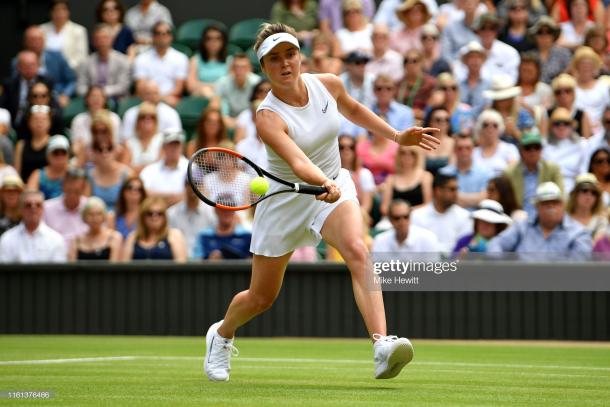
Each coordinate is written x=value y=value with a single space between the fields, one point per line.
x=363 y=117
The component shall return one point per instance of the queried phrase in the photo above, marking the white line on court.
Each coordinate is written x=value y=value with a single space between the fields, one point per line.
x=296 y=360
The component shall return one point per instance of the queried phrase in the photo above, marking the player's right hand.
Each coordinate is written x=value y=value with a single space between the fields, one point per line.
x=333 y=193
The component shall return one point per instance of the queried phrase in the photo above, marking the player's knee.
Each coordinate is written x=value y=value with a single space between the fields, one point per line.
x=262 y=301
x=356 y=250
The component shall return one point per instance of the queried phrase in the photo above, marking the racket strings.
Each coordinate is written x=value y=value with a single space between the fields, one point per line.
x=224 y=178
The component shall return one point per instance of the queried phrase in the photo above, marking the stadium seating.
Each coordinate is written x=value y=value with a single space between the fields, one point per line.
x=243 y=33
x=256 y=66
x=126 y=103
x=189 y=33
x=76 y=106
x=185 y=49
x=190 y=109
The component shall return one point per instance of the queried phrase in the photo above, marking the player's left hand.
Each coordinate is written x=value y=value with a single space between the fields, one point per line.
x=419 y=136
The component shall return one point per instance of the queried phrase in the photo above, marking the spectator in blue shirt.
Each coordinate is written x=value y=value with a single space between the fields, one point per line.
x=227 y=240
x=550 y=234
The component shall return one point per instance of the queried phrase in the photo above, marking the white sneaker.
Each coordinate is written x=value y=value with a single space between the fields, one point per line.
x=391 y=355
x=218 y=352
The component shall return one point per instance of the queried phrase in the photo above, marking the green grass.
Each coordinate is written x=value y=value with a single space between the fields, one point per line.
x=167 y=371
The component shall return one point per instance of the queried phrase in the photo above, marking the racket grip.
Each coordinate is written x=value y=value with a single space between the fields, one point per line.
x=310 y=189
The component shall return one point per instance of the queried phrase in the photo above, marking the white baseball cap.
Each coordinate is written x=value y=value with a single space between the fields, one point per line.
x=273 y=40
x=548 y=191
x=58 y=142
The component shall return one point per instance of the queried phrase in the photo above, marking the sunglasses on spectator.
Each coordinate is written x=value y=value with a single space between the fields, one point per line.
x=162 y=32
x=518 y=8
x=564 y=90
x=99 y=130
x=147 y=117
x=32 y=205
x=448 y=88
x=132 y=187
x=440 y=120
x=100 y=149
x=152 y=214
x=347 y=147
x=429 y=37
x=450 y=189
x=533 y=147
x=380 y=88
x=599 y=161
x=59 y=152
x=411 y=61
x=399 y=217
x=589 y=191
x=488 y=28
x=490 y=124
x=562 y=123
x=544 y=32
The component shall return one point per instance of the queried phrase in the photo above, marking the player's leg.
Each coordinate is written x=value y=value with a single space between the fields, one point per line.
x=343 y=230
x=265 y=284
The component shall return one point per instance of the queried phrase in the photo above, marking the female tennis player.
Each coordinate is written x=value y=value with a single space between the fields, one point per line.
x=299 y=123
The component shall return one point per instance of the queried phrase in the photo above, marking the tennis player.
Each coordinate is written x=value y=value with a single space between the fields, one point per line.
x=299 y=123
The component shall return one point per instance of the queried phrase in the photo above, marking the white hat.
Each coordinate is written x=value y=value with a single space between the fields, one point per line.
x=58 y=142
x=472 y=46
x=173 y=134
x=548 y=191
x=492 y=212
x=502 y=87
x=273 y=40
x=5 y=117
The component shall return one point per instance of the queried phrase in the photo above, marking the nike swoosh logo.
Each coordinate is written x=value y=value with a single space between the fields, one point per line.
x=275 y=39
x=325 y=107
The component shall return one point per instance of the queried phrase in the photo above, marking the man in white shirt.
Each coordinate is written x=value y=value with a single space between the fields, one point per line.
x=167 y=116
x=404 y=236
x=191 y=216
x=141 y=17
x=32 y=241
x=385 y=60
x=165 y=177
x=163 y=64
x=443 y=216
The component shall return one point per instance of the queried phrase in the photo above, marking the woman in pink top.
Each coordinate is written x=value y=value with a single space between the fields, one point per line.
x=378 y=155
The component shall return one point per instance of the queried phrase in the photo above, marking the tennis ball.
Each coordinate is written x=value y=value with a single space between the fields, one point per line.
x=259 y=186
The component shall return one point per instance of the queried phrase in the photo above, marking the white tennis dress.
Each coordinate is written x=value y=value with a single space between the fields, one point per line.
x=287 y=221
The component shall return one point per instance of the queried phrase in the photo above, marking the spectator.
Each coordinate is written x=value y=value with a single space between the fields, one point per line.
x=95 y=102
x=191 y=216
x=106 y=67
x=548 y=234
x=32 y=241
x=153 y=238
x=514 y=32
x=492 y=152
x=210 y=131
x=65 y=36
x=473 y=86
x=411 y=182
x=517 y=118
x=30 y=154
x=415 y=88
x=228 y=240
x=209 y=63
x=331 y=13
x=166 y=115
x=107 y=174
x=384 y=59
x=11 y=187
x=447 y=95
x=15 y=90
x=362 y=177
x=489 y=221
x=5 y=169
x=6 y=144
x=62 y=213
x=458 y=33
x=378 y=155
x=49 y=179
x=235 y=88
x=535 y=9
x=573 y=31
x=164 y=177
x=560 y=11
x=125 y=217
x=438 y=117
x=599 y=165
x=564 y=87
x=99 y=242
x=531 y=171
x=163 y=64
x=500 y=189
x=554 y=59
x=413 y=14
x=386 y=14
x=443 y=216
x=245 y=128
x=355 y=35
x=565 y=147
x=404 y=237
x=322 y=57
x=357 y=82
x=302 y=15
x=145 y=147
x=595 y=38
x=472 y=178
x=253 y=146
x=536 y=96
x=112 y=12
x=53 y=64
x=585 y=205
x=142 y=17
x=396 y=114
x=40 y=93
x=592 y=93
x=453 y=11
x=434 y=63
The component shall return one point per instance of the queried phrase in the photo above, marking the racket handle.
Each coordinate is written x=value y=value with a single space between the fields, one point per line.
x=309 y=189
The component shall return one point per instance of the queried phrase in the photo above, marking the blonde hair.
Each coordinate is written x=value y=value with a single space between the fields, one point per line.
x=584 y=52
x=598 y=207
x=142 y=231
x=103 y=117
x=419 y=157
x=93 y=203
x=563 y=80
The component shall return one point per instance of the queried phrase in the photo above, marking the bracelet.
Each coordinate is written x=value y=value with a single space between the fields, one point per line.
x=396 y=136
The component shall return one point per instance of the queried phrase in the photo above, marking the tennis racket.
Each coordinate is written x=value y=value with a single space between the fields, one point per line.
x=221 y=178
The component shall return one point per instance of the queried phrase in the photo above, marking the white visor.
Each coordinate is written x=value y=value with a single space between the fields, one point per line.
x=273 y=40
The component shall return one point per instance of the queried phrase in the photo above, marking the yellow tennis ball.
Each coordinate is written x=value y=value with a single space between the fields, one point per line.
x=259 y=186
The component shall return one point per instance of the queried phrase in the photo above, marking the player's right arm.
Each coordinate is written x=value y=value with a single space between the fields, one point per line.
x=274 y=132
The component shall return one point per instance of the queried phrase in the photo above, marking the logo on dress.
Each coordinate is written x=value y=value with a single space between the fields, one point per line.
x=325 y=107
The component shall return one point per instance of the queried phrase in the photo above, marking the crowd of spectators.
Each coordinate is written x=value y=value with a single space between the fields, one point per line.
x=520 y=90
